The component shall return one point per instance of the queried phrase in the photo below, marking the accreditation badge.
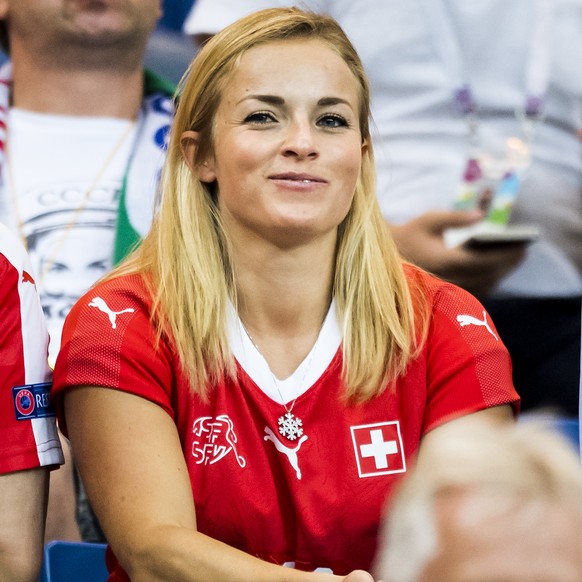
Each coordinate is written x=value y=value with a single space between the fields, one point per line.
x=490 y=183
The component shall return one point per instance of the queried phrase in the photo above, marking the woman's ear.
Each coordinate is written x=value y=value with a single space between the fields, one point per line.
x=365 y=146
x=189 y=146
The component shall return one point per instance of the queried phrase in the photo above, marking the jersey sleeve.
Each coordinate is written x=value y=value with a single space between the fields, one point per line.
x=109 y=341
x=468 y=366
x=28 y=433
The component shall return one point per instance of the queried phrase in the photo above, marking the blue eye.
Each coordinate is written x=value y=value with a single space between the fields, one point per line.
x=260 y=118
x=333 y=121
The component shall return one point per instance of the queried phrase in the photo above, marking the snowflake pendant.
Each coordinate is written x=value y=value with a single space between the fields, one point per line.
x=290 y=426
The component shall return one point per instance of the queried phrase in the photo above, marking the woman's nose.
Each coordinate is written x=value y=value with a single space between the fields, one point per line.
x=300 y=140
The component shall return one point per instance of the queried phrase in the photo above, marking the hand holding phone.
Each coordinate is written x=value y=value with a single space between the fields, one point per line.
x=508 y=236
x=484 y=235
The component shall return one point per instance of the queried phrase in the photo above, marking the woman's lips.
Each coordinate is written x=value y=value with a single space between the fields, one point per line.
x=302 y=178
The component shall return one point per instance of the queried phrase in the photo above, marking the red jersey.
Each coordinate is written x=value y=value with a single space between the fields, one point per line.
x=28 y=435
x=305 y=490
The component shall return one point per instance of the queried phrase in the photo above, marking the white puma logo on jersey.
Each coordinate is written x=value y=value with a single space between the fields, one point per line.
x=470 y=320
x=290 y=452
x=100 y=304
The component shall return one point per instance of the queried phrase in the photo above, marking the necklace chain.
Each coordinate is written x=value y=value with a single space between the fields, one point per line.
x=290 y=425
x=77 y=212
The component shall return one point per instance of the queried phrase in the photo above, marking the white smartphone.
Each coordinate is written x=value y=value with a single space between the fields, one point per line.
x=515 y=234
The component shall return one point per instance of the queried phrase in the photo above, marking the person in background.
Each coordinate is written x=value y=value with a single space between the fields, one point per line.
x=487 y=503
x=463 y=93
x=170 y=50
x=245 y=391
x=82 y=138
x=29 y=443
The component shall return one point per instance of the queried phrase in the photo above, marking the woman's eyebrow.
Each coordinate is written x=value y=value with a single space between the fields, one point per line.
x=269 y=99
x=327 y=101
x=276 y=100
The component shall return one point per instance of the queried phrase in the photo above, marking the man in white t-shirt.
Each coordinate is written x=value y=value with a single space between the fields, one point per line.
x=420 y=54
x=82 y=139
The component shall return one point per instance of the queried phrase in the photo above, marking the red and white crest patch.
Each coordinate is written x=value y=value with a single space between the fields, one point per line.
x=214 y=438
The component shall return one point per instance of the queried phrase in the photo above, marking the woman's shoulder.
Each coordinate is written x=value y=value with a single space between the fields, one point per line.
x=132 y=285
x=436 y=291
x=417 y=276
x=113 y=294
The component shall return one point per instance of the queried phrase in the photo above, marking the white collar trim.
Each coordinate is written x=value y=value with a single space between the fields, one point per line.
x=307 y=373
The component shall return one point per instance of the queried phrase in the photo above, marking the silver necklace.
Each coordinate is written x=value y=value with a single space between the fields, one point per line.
x=290 y=425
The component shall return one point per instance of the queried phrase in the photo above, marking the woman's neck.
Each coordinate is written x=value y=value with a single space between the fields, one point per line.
x=283 y=297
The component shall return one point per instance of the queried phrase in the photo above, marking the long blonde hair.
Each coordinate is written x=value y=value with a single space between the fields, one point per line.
x=186 y=257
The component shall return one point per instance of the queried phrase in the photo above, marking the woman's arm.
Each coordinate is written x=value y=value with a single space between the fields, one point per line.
x=130 y=459
x=23 y=501
x=501 y=414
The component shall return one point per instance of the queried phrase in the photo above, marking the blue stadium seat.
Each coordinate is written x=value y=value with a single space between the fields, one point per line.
x=169 y=50
x=570 y=428
x=174 y=13
x=567 y=426
x=73 y=562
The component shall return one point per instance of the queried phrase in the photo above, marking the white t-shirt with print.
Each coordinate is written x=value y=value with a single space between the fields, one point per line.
x=61 y=191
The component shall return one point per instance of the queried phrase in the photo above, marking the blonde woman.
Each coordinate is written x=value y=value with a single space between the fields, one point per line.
x=246 y=390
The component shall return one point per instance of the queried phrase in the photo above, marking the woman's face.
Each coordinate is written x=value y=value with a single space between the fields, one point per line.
x=287 y=143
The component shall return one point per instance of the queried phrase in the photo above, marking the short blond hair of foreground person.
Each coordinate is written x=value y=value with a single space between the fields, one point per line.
x=487 y=503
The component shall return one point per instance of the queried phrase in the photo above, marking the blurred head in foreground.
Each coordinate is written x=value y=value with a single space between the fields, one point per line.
x=487 y=503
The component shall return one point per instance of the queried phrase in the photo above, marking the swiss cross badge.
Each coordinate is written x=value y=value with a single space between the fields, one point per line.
x=378 y=448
